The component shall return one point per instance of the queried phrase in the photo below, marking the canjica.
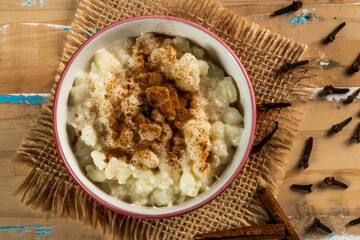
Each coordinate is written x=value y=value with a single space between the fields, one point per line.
x=153 y=120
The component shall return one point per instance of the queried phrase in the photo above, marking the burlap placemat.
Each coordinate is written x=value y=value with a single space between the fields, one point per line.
x=50 y=188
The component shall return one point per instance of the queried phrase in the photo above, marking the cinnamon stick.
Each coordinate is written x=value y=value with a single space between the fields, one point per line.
x=276 y=213
x=269 y=231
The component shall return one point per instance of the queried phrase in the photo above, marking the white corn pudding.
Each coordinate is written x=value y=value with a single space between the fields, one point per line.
x=153 y=121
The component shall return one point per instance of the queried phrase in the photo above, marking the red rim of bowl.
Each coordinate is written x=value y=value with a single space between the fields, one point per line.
x=191 y=208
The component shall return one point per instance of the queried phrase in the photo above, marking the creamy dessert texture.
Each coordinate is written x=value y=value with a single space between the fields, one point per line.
x=152 y=120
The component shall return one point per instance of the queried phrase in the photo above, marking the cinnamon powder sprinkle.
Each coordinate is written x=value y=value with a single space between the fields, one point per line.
x=163 y=110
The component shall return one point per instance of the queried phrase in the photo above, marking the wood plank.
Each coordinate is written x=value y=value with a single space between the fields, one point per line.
x=37 y=5
x=15 y=121
x=322 y=20
x=265 y=3
x=331 y=156
x=16 y=38
x=39 y=227
x=46 y=16
x=29 y=54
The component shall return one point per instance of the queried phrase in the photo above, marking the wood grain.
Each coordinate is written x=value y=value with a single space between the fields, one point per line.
x=24 y=60
x=28 y=61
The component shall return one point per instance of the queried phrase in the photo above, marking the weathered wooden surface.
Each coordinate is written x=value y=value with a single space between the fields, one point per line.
x=32 y=34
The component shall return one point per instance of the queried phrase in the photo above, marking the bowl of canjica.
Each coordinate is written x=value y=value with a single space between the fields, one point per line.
x=154 y=116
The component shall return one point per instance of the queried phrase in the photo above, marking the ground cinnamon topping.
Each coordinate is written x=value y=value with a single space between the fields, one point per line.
x=177 y=143
x=163 y=107
x=157 y=96
x=149 y=79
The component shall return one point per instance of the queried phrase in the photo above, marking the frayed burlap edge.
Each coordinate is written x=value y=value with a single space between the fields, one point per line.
x=54 y=190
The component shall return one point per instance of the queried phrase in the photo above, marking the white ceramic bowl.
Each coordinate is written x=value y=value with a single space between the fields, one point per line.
x=133 y=27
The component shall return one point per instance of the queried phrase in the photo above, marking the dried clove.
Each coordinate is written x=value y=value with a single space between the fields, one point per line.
x=356 y=65
x=331 y=36
x=264 y=107
x=288 y=66
x=304 y=162
x=302 y=187
x=338 y=127
x=329 y=89
x=296 y=5
x=354 y=222
x=356 y=135
x=318 y=224
x=331 y=181
x=261 y=144
x=352 y=97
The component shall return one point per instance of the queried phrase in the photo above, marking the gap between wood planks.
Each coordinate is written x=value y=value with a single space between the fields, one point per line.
x=36 y=98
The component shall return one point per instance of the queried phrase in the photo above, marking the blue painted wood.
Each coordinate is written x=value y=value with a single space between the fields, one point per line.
x=24 y=98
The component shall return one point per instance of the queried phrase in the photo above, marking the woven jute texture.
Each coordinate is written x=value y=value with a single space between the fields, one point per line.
x=49 y=187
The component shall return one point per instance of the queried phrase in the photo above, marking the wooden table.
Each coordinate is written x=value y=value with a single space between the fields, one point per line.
x=32 y=35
